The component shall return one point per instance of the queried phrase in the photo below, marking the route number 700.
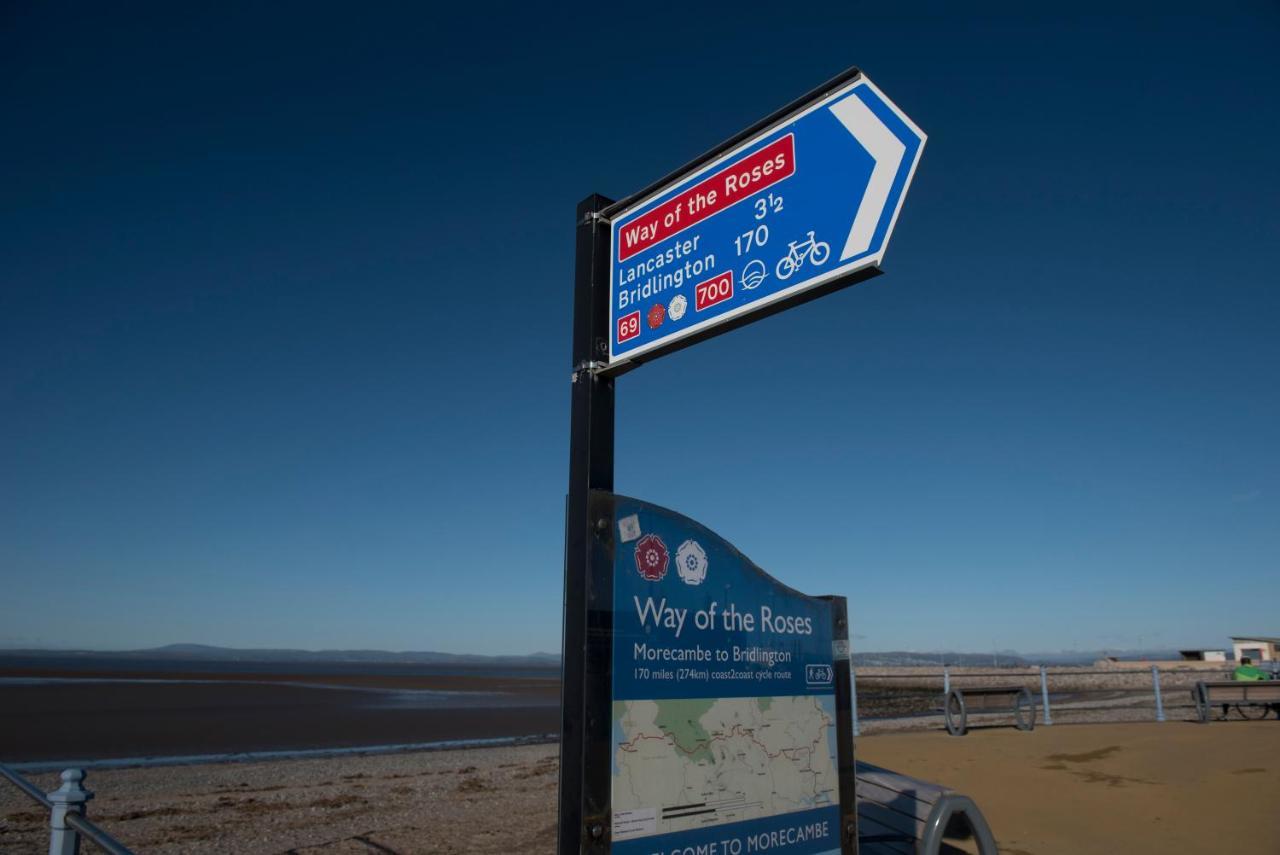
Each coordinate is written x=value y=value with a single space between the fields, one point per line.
x=716 y=290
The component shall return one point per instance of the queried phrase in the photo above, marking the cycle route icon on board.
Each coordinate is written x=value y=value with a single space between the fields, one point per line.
x=815 y=251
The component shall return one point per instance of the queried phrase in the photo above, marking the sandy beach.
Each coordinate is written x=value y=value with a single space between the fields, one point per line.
x=1107 y=788
x=1133 y=788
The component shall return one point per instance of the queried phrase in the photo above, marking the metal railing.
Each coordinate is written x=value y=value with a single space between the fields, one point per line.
x=67 y=820
x=886 y=699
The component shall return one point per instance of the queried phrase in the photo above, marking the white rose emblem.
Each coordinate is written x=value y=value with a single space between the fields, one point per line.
x=691 y=563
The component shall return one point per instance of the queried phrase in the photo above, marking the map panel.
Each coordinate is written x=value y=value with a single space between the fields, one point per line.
x=683 y=764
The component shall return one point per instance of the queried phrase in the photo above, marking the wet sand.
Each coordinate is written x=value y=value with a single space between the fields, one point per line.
x=1131 y=788
x=102 y=716
x=525 y=684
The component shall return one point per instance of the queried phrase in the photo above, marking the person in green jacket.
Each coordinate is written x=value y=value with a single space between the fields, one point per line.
x=1246 y=672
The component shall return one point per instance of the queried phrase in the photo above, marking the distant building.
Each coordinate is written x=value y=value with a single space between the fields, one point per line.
x=1203 y=655
x=1259 y=648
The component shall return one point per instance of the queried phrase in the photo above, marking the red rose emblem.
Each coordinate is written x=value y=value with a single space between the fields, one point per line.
x=657 y=315
x=651 y=557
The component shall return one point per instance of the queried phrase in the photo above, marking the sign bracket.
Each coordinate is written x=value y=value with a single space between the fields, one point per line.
x=594 y=217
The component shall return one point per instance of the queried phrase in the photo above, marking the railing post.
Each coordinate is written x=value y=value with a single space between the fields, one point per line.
x=853 y=697
x=1044 y=695
x=1155 y=682
x=946 y=680
x=68 y=798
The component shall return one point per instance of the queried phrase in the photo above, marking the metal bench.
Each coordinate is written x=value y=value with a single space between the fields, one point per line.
x=1237 y=693
x=986 y=699
x=899 y=815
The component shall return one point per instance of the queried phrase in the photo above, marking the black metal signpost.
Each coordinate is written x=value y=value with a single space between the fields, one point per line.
x=683 y=210
x=583 y=814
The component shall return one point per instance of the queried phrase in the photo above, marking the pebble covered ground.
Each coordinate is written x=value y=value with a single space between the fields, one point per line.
x=493 y=800
x=1063 y=790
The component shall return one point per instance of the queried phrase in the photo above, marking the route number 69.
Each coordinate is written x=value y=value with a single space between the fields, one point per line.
x=628 y=326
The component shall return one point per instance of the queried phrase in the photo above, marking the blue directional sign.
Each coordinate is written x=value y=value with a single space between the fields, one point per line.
x=807 y=201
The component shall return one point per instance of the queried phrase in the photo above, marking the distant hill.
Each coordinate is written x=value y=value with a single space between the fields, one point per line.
x=904 y=658
x=204 y=653
x=1007 y=658
x=1088 y=657
x=209 y=653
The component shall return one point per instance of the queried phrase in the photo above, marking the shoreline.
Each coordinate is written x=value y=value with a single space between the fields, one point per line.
x=545 y=686
x=39 y=766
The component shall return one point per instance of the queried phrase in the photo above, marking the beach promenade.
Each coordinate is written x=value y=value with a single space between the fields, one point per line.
x=1133 y=788
x=1108 y=788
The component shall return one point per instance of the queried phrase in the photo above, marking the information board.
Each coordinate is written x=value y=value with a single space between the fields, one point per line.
x=724 y=719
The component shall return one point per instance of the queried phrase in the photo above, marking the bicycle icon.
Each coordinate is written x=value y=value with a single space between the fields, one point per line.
x=810 y=248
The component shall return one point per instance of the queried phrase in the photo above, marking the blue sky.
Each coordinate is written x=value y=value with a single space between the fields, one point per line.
x=286 y=291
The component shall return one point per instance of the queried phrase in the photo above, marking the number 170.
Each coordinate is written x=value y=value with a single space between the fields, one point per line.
x=758 y=236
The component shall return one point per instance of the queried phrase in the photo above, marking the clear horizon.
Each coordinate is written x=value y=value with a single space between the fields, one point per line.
x=284 y=325
x=536 y=653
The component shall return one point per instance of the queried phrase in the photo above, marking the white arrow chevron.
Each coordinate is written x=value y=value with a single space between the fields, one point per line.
x=887 y=151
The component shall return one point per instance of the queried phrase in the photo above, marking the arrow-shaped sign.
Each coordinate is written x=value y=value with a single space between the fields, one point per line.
x=805 y=203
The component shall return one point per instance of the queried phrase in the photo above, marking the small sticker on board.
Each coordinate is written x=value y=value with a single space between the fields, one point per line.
x=629 y=528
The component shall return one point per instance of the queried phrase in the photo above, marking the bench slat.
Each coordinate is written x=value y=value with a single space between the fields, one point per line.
x=868 y=827
x=890 y=818
x=920 y=790
x=904 y=803
x=1251 y=692
x=989 y=690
